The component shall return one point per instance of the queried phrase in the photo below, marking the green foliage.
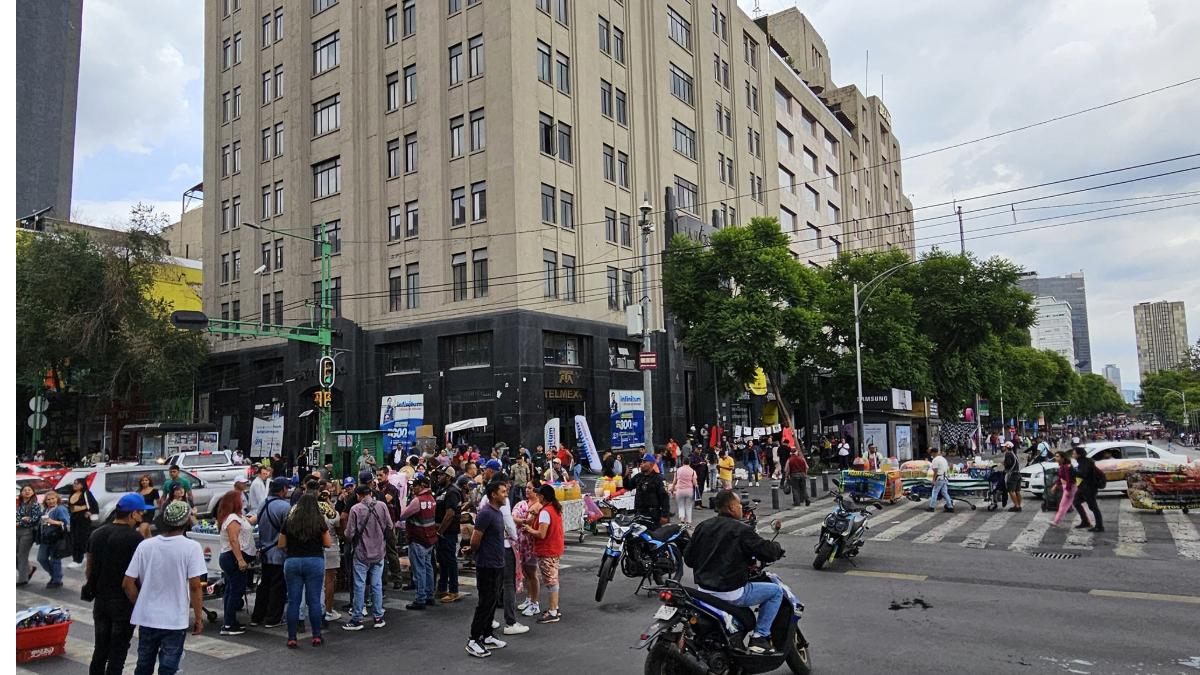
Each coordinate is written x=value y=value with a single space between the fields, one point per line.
x=1092 y=395
x=85 y=313
x=1184 y=378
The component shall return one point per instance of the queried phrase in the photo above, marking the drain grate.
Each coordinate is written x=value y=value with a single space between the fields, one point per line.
x=1056 y=556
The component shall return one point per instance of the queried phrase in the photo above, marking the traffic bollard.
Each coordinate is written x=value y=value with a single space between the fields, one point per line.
x=825 y=481
x=774 y=497
x=812 y=482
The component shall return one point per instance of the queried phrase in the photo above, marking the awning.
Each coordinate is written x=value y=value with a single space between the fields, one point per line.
x=473 y=423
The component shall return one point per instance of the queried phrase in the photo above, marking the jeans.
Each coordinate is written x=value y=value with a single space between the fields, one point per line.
x=447 y=562
x=753 y=468
x=420 y=561
x=365 y=573
x=799 y=488
x=270 y=596
x=305 y=577
x=941 y=486
x=768 y=598
x=113 y=633
x=488 y=584
x=508 y=587
x=165 y=645
x=24 y=546
x=52 y=565
x=235 y=586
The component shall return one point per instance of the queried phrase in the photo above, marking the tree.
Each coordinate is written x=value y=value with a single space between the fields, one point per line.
x=1025 y=376
x=1093 y=395
x=1185 y=378
x=87 y=319
x=742 y=302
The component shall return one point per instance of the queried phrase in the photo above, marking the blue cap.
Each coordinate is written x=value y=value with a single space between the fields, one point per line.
x=131 y=502
x=649 y=458
x=494 y=465
x=348 y=481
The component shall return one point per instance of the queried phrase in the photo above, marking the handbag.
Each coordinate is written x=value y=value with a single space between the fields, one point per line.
x=787 y=486
x=62 y=547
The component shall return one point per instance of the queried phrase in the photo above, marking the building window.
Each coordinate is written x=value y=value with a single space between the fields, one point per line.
x=226 y=53
x=546 y=133
x=787 y=180
x=395 y=223
x=278 y=82
x=237 y=265
x=566 y=203
x=606 y=102
x=627 y=282
x=412 y=282
x=327 y=115
x=325 y=53
x=610 y=225
x=327 y=178
x=410 y=84
x=237 y=102
x=472 y=349
x=813 y=198
x=564 y=142
x=547 y=203
x=265 y=316
x=455 y=64
x=458 y=276
x=543 y=63
x=226 y=156
x=333 y=234
x=560 y=350
x=564 y=73
x=266 y=87
x=478 y=130
x=278 y=255
x=831 y=144
x=626 y=230
x=679 y=29
x=265 y=260
x=278 y=139
x=410 y=17
x=687 y=194
x=279 y=198
x=237 y=156
x=393 y=91
x=237 y=48
x=561 y=12
x=605 y=33
x=395 y=288
x=479 y=200
x=456 y=137
x=390 y=16
x=613 y=290
x=622 y=355
x=831 y=177
x=787 y=220
x=685 y=140
x=622 y=169
x=608 y=162
x=224 y=268
x=681 y=84
x=783 y=138
x=621 y=111
x=265 y=145
x=750 y=50
x=454 y=6
x=475 y=56
x=810 y=160
x=393 y=158
x=479 y=272
x=834 y=213
x=402 y=357
x=618 y=52
x=410 y=153
x=335 y=295
x=569 y=280
x=322 y=5
x=411 y=219
x=266 y=203
x=550 y=274
x=458 y=206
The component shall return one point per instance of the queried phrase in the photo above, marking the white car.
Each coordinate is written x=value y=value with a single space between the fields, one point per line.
x=1033 y=476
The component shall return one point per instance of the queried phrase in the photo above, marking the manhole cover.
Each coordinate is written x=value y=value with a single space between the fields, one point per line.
x=1056 y=556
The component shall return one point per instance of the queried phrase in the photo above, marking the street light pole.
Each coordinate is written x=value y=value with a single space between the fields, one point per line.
x=647 y=374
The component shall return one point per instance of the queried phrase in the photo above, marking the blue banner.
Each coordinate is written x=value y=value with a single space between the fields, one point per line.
x=399 y=417
x=627 y=419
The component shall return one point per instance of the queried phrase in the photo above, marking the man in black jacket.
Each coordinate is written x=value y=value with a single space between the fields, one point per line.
x=651 y=499
x=1086 y=494
x=719 y=555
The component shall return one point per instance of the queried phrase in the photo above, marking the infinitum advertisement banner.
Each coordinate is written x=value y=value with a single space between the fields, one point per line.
x=399 y=417
x=627 y=419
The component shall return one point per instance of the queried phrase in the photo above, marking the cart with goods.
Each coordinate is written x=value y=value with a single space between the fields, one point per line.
x=574 y=514
x=42 y=632
x=1176 y=488
x=884 y=486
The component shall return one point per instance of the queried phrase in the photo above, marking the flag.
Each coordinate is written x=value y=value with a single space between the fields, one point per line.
x=550 y=435
x=586 y=445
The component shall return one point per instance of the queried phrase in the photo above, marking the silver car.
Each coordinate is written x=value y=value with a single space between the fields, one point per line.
x=109 y=482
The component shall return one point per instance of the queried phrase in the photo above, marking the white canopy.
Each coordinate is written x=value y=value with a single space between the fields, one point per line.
x=473 y=423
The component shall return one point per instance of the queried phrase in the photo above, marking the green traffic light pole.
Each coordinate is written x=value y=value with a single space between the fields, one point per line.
x=321 y=335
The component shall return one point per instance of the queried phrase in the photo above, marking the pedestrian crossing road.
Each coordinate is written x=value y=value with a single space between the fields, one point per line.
x=1129 y=533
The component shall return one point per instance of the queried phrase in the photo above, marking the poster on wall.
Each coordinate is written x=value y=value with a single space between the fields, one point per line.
x=266 y=435
x=904 y=443
x=399 y=417
x=875 y=434
x=627 y=419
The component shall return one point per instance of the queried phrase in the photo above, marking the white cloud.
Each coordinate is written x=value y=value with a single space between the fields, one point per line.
x=115 y=213
x=185 y=171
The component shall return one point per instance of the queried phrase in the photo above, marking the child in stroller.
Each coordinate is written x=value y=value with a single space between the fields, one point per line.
x=997 y=495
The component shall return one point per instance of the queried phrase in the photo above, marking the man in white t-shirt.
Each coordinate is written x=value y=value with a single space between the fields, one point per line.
x=939 y=470
x=164 y=581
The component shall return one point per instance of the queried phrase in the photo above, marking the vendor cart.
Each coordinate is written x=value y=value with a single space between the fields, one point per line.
x=1164 y=490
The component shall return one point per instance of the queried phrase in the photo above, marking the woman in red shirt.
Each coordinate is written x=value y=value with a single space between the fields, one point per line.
x=548 y=544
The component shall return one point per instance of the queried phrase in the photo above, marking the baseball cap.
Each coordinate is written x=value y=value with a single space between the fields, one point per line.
x=348 y=481
x=241 y=479
x=494 y=465
x=176 y=514
x=650 y=458
x=132 y=502
x=366 y=476
x=1008 y=444
x=279 y=484
x=421 y=479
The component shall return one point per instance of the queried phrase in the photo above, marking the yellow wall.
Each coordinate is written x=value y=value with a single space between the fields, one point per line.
x=179 y=285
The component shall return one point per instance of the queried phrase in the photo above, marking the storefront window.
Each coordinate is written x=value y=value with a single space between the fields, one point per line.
x=560 y=349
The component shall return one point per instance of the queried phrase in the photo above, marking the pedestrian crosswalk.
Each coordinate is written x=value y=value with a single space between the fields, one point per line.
x=1130 y=533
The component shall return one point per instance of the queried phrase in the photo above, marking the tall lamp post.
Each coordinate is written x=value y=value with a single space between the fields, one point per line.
x=1187 y=421
x=867 y=289
x=647 y=377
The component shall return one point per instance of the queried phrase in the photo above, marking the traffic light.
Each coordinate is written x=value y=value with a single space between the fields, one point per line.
x=322 y=397
x=327 y=370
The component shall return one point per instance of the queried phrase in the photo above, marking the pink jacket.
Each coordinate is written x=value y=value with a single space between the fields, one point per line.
x=685 y=480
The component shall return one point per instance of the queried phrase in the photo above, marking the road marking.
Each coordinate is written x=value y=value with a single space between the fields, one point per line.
x=1187 y=539
x=579 y=558
x=815 y=513
x=1131 y=533
x=887 y=575
x=1031 y=537
x=979 y=538
x=939 y=533
x=1079 y=540
x=896 y=530
x=1192 y=599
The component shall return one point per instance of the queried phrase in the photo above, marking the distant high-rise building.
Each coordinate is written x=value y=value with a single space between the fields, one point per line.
x=1053 y=330
x=1070 y=289
x=1162 y=340
x=1130 y=395
x=48 y=35
x=1113 y=374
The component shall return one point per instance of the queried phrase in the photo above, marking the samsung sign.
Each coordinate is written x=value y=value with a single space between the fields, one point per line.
x=895 y=399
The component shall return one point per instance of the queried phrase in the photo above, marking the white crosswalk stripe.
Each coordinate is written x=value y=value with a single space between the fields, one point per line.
x=941 y=531
x=979 y=538
x=1131 y=534
x=1079 y=540
x=1187 y=539
x=790 y=523
x=904 y=525
x=1031 y=537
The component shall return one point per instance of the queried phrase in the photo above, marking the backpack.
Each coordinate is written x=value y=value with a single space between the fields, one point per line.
x=1099 y=480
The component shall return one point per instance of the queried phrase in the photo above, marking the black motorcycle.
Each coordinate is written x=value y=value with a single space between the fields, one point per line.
x=843 y=531
x=640 y=552
x=694 y=632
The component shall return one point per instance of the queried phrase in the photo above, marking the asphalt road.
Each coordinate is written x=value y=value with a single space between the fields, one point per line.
x=915 y=602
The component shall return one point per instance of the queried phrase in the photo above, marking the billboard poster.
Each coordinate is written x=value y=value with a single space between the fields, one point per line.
x=399 y=417
x=266 y=435
x=627 y=418
x=876 y=434
x=904 y=443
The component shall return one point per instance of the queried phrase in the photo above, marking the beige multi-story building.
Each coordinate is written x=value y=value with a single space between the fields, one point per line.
x=1162 y=340
x=479 y=167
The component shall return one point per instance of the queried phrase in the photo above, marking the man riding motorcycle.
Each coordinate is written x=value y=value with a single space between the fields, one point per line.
x=651 y=499
x=720 y=554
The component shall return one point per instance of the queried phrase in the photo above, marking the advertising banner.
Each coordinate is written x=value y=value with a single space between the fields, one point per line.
x=903 y=443
x=627 y=418
x=266 y=434
x=399 y=417
x=877 y=434
x=587 y=446
x=551 y=434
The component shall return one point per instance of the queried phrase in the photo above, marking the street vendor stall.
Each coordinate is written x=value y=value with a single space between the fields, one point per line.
x=1161 y=489
x=964 y=480
x=886 y=486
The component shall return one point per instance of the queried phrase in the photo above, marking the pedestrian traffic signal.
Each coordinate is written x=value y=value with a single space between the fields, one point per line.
x=327 y=371
x=322 y=398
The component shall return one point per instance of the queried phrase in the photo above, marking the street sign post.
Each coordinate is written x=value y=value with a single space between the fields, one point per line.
x=647 y=360
x=37 y=421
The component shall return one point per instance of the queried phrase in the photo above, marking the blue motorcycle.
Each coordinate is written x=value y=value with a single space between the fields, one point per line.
x=641 y=552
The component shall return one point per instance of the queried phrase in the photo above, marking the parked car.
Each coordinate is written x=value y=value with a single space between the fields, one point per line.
x=211 y=466
x=1033 y=476
x=50 y=471
x=40 y=485
x=109 y=482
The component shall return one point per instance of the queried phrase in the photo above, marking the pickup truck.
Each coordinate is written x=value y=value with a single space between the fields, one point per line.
x=213 y=467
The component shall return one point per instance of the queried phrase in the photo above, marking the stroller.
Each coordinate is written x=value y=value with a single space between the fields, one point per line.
x=997 y=495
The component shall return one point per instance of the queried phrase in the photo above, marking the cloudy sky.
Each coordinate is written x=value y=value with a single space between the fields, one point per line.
x=951 y=72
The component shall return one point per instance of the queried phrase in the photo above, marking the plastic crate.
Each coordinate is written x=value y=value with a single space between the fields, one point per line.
x=42 y=642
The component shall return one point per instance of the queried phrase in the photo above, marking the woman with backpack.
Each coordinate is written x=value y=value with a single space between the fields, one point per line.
x=1090 y=480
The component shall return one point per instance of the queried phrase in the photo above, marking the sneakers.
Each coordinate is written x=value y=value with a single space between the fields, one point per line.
x=54 y=584
x=451 y=597
x=292 y=644
x=531 y=609
x=1098 y=528
x=416 y=605
x=492 y=642
x=761 y=645
x=74 y=565
x=477 y=650
x=495 y=624
x=946 y=509
x=333 y=615
x=379 y=623
x=549 y=617
x=524 y=603
x=1083 y=526
x=232 y=630
x=515 y=629
x=272 y=624
x=352 y=624
x=930 y=509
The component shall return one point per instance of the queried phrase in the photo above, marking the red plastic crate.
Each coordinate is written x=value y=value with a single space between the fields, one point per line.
x=43 y=642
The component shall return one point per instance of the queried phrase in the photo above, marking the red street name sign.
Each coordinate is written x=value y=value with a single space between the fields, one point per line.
x=647 y=360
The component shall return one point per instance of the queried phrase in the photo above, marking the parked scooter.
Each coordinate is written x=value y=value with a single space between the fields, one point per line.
x=641 y=552
x=843 y=531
